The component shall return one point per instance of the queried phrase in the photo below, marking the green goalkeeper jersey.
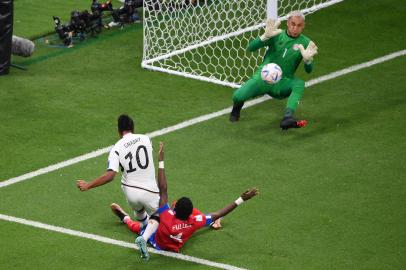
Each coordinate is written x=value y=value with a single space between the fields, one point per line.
x=282 y=50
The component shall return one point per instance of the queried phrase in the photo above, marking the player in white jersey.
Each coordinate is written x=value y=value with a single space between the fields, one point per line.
x=133 y=155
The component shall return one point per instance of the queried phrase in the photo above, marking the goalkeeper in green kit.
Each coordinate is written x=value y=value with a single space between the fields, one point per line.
x=287 y=49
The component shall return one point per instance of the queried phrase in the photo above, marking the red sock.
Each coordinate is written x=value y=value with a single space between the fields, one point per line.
x=133 y=226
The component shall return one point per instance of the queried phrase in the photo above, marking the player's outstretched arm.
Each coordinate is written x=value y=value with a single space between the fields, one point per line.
x=245 y=196
x=101 y=180
x=162 y=184
x=309 y=52
x=271 y=30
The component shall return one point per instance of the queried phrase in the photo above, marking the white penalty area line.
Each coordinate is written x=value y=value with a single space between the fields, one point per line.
x=116 y=242
x=197 y=120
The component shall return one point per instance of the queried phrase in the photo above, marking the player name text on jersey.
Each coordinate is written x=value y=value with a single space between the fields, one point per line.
x=181 y=226
x=131 y=142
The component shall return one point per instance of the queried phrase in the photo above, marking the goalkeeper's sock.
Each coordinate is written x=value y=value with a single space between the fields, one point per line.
x=288 y=112
x=235 y=112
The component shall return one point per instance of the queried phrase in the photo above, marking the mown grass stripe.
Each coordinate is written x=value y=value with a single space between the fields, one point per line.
x=84 y=44
x=197 y=120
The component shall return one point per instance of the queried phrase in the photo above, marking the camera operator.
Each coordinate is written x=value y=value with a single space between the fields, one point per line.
x=126 y=13
x=82 y=22
x=97 y=12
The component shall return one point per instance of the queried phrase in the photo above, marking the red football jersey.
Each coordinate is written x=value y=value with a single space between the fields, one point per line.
x=172 y=232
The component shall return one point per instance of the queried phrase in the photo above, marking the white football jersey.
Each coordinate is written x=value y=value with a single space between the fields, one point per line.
x=133 y=155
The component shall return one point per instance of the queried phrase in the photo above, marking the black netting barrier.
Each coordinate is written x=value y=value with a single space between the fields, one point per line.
x=6 y=33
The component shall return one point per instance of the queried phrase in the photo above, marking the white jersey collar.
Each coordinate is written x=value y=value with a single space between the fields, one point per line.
x=127 y=134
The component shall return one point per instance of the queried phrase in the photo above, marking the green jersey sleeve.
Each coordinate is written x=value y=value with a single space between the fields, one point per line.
x=308 y=67
x=257 y=43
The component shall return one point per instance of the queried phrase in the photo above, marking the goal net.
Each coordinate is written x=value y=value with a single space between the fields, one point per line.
x=207 y=39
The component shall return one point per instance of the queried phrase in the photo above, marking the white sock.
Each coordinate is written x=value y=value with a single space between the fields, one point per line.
x=142 y=217
x=152 y=226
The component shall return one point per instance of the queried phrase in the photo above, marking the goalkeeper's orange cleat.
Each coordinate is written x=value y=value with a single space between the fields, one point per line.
x=301 y=123
x=290 y=122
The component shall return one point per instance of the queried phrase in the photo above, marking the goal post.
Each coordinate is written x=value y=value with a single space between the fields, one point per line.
x=207 y=39
x=272 y=9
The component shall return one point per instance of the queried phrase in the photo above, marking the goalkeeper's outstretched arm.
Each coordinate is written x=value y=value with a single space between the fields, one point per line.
x=271 y=30
x=308 y=55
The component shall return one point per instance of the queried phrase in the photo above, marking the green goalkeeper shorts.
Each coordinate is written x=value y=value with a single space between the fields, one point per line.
x=286 y=87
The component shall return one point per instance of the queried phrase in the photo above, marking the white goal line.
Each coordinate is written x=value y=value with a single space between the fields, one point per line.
x=196 y=120
x=115 y=242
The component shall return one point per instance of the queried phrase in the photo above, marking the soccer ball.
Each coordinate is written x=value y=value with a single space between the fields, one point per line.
x=271 y=73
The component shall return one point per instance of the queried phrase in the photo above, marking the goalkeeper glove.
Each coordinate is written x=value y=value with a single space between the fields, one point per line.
x=271 y=29
x=309 y=52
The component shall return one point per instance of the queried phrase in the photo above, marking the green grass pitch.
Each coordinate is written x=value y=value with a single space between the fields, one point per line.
x=332 y=194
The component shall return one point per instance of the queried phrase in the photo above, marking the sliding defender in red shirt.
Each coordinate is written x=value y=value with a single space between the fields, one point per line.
x=175 y=225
